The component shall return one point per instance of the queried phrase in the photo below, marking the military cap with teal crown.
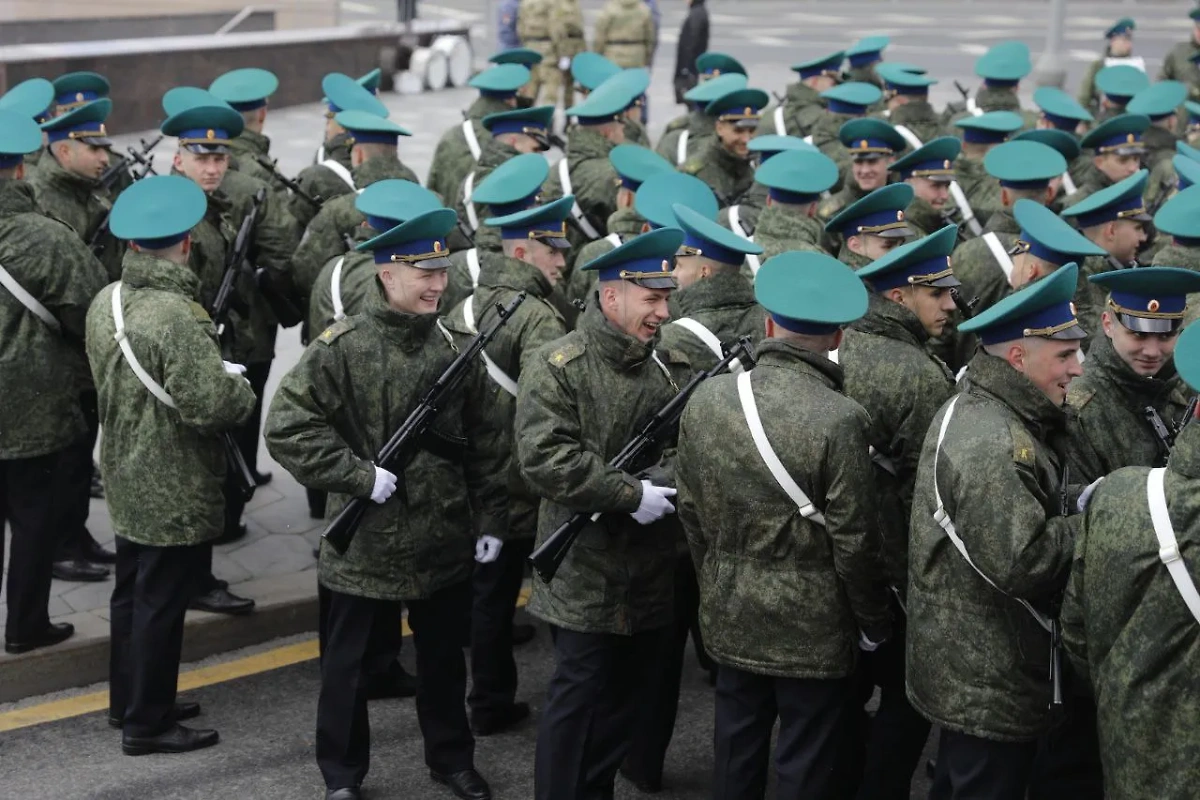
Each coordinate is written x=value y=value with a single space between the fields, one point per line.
x=709 y=239
x=1059 y=108
x=634 y=164
x=366 y=128
x=606 y=102
x=590 y=69
x=742 y=107
x=644 y=260
x=388 y=203
x=546 y=224
x=1120 y=82
x=933 y=161
x=658 y=194
x=371 y=80
x=868 y=139
x=343 y=93
x=418 y=242
x=204 y=128
x=19 y=136
x=1149 y=299
x=1122 y=200
x=501 y=81
x=711 y=65
x=1180 y=217
x=1024 y=164
x=828 y=65
x=1187 y=171
x=993 y=127
x=853 y=98
x=1041 y=309
x=84 y=123
x=1187 y=356
x=880 y=213
x=1158 y=100
x=797 y=177
x=532 y=122
x=867 y=50
x=1004 y=64
x=702 y=94
x=1047 y=236
x=1121 y=135
x=31 y=98
x=245 y=89
x=773 y=144
x=77 y=88
x=513 y=186
x=1125 y=26
x=810 y=293
x=898 y=80
x=921 y=262
x=158 y=211
x=1065 y=143
x=517 y=55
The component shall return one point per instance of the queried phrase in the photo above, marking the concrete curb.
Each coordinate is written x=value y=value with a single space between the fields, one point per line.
x=287 y=605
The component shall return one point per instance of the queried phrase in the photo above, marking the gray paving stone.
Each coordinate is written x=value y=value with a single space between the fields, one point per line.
x=276 y=554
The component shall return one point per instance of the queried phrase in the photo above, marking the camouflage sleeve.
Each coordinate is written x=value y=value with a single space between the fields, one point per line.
x=301 y=210
x=488 y=457
x=275 y=238
x=850 y=521
x=550 y=448
x=597 y=193
x=76 y=278
x=320 y=243
x=206 y=396
x=1071 y=618
x=600 y=31
x=909 y=436
x=1087 y=87
x=1166 y=72
x=685 y=499
x=650 y=34
x=300 y=432
x=538 y=329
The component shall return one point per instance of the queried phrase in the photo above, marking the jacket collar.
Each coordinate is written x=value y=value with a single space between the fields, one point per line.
x=252 y=142
x=514 y=274
x=408 y=331
x=1105 y=364
x=1003 y=221
x=586 y=143
x=378 y=168
x=923 y=215
x=776 y=223
x=992 y=377
x=724 y=289
x=785 y=355
x=485 y=106
x=56 y=175
x=615 y=346
x=1185 y=455
x=891 y=320
x=16 y=197
x=143 y=271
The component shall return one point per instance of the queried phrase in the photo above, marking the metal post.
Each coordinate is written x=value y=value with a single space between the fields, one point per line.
x=1050 y=69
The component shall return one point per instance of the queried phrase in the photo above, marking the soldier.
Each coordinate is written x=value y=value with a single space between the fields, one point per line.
x=1179 y=219
x=1061 y=117
x=513 y=186
x=795 y=182
x=525 y=57
x=1131 y=612
x=533 y=260
x=786 y=599
x=690 y=44
x=863 y=56
x=998 y=449
x=1002 y=68
x=709 y=66
x=610 y=607
x=1115 y=87
x=929 y=170
x=872 y=146
x=33 y=99
x=1159 y=102
x=891 y=373
x=1025 y=171
x=1171 y=176
x=624 y=33
x=906 y=99
x=330 y=174
x=1117 y=149
x=980 y=193
x=723 y=162
x=553 y=29
x=681 y=143
x=797 y=112
x=590 y=70
x=870 y=227
x=845 y=102
x=460 y=147
x=76 y=89
x=418 y=555
x=165 y=396
x=1180 y=63
x=373 y=151
x=48 y=278
x=1118 y=50
x=742 y=218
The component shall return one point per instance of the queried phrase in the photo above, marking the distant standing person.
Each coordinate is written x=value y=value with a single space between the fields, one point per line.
x=693 y=40
x=625 y=33
x=553 y=28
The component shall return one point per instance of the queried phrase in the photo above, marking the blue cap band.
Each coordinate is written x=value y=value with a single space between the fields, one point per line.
x=417 y=247
x=1182 y=183
x=1185 y=241
x=527 y=127
x=76 y=98
x=912 y=91
x=874 y=222
x=639 y=265
x=1061 y=123
x=498 y=94
x=997 y=83
x=1133 y=304
x=84 y=130
x=249 y=105
x=865 y=59
x=711 y=250
x=373 y=137
x=933 y=165
x=805 y=328
x=504 y=209
x=163 y=243
x=1039 y=250
x=210 y=136
x=900 y=277
x=842 y=107
x=793 y=198
x=817 y=71
x=1056 y=317
x=1115 y=210
x=1037 y=183
x=8 y=161
x=541 y=230
x=382 y=224
x=977 y=136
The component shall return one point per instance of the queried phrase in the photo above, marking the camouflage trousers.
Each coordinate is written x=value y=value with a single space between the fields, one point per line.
x=548 y=82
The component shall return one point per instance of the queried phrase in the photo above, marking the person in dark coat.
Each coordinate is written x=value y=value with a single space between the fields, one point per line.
x=693 y=40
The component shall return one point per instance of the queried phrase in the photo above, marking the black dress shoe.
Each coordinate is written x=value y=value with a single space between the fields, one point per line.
x=182 y=711
x=499 y=720
x=222 y=601
x=94 y=553
x=81 y=571
x=231 y=534
x=57 y=632
x=396 y=682
x=523 y=634
x=177 y=739
x=345 y=793
x=468 y=784
x=262 y=478
x=644 y=785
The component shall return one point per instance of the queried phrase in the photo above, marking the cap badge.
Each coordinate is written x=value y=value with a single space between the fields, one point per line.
x=862 y=145
x=1152 y=306
x=1130 y=138
x=210 y=134
x=103 y=131
x=947 y=164
x=79 y=97
x=437 y=246
x=1071 y=305
x=900 y=216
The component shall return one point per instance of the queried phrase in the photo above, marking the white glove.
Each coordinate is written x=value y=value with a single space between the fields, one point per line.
x=564 y=63
x=1086 y=497
x=385 y=485
x=866 y=645
x=487 y=549
x=234 y=369
x=654 y=505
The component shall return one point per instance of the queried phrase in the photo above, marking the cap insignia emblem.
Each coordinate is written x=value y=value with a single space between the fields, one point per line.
x=1152 y=306
x=748 y=112
x=947 y=164
x=437 y=246
x=1071 y=305
x=1130 y=138
x=862 y=145
x=210 y=134
x=103 y=132
x=79 y=97
x=900 y=216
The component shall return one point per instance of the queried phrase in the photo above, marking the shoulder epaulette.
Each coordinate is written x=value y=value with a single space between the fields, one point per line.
x=199 y=312
x=566 y=353
x=675 y=355
x=692 y=167
x=1024 y=450
x=335 y=330
x=1078 y=398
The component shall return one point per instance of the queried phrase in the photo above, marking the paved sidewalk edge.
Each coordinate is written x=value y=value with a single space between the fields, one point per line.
x=287 y=605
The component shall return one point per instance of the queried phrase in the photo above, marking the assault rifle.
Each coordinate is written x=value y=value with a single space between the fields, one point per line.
x=548 y=557
x=1166 y=435
x=965 y=307
x=400 y=449
x=272 y=166
x=109 y=177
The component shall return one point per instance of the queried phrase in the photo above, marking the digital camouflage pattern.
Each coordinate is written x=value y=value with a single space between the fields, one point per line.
x=749 y=206
x=338 y=218
x=535 y=324
x=594 y=182
x=802 y=106
x=826 y=139
x=1161 y=186
x=624 y=33
x=356 y=284
x=341 y=403
x=164 y=468
x=1125 y=624
x=1093 y=181
x=1175 y=254
x=320 y=182
x=460 y=283
x=891 y=374
x=1108 y=427
x=763 y=569
x=849 y=257
x=41 y=369
x=988 y=99
x=1160 y=146
x=976 y=660
x=700 y=129
x=728 y=175
x=782 y=228
x=626 y=223
x=635 y=132
x=81 y=204
x=918 y=116
x=831 y=206
x=1090 y=299
x=244 y=152
x=581 y=399
x=981 y=275
x=981 y=189
x=923 y=218
x=724 y=303
x=1180 y=65
x=493 y=154
x=452 y=158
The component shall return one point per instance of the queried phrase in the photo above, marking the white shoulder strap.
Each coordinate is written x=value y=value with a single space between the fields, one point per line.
x=808 y=139
x=335 y=290
x=320 y=155
x=973 y=107
x=780 y=122
x=493 y=369
x=913 y=140
x=1068 y=184
x=119 y=323
x=564 y=177
x=340 y=171
x=468 y=189
x=767 y=453
x=943 y=519
x=681 y=148
x=468 y=129
x=701 y=332
x=473 y=266
x=28 y=300
x=1168 y=545
x=833 y=356
x=735 y=225
x=614 y=239
x=968 y=214
x=1137 y=62
x=999 y=253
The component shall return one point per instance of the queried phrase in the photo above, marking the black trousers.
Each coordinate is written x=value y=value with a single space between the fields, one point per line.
x=811 y=715
x=1068 y=758
x=348 y=626
x=971 y=768
x=656 y=724
x=247 y=434
x=76 y=476
x=149 y=600
x=493 y=668
x=30 y=504
x=600 y=680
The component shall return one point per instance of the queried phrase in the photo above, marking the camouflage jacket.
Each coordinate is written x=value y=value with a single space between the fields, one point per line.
x=593 y=181
x=981 y=275
x=494 y=153
x=1108 y=428
x=849 y=193
x=1161 y=186
x=1178 y=255
x=919 y=117
x=1088 y=97
x=535 y=324
x=1160 y=146
x=890 y=373
x=749 y=206
x=780 y=230
x=341 y=403
x=1090 y=299
x=81 y=204
x=779 y=594
x=981 y=189
x=1092 y=183
x=461 y=283
x=452 y=158
x=338 y=218
x=727 y=175
x=566 y=28
x=636 y=133
x=849 y=257
x=245 y=150
x=723 y=303
x=1180 y=65
x=700 y=128
x=163 y=467
x=626 y=223
x=582 y=398
x=355 y=285
x=320 y=182
x=977 y=660
x=534 y=25
x=624 y=33
x=1125 y=624
x=923 y=218
x=825 y=137
x=987 y=99
x=802 y=106
x=42 y=369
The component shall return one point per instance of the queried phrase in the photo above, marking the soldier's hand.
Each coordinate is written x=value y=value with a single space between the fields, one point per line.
x=564 y=63
x=654 y=505
x=385 y=485
x=487 y=549
x=866 y=645
x=234 y=369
